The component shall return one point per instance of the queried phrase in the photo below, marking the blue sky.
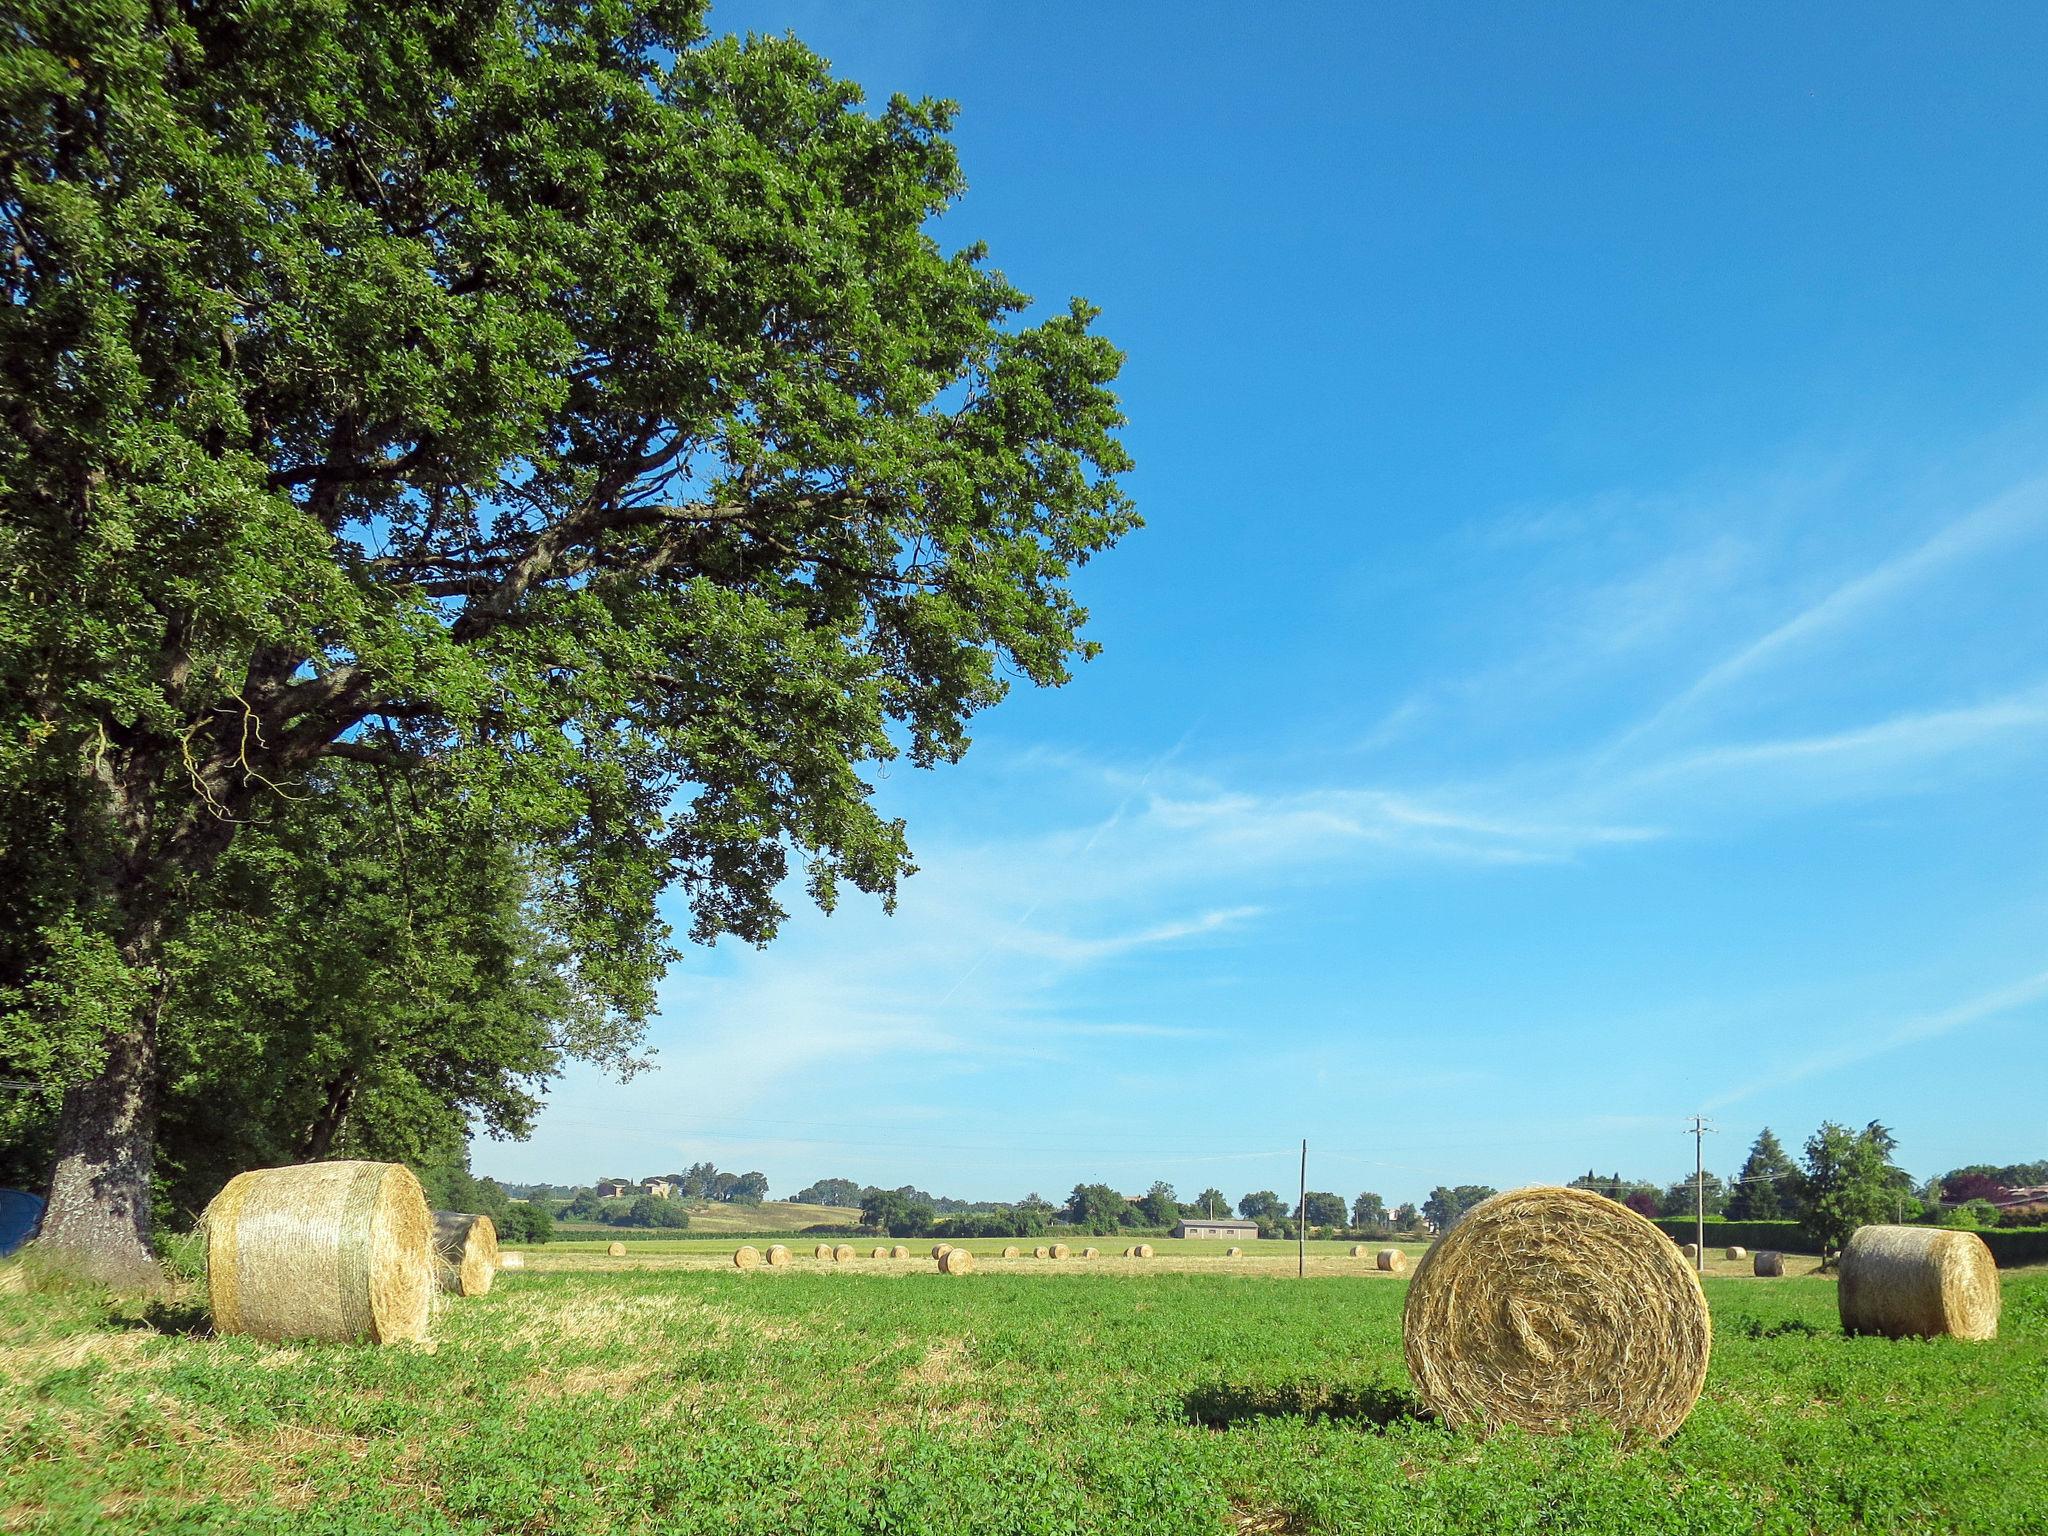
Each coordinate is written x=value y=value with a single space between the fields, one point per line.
x=1588 y=661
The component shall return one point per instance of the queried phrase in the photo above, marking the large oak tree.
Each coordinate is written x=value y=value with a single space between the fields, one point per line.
x=545 y=392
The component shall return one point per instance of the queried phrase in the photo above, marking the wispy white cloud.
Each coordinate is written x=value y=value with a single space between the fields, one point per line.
x=2000 y=1001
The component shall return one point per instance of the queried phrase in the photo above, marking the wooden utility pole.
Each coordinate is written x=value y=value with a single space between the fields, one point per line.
x=1699 y=1191
x=1301 y=1221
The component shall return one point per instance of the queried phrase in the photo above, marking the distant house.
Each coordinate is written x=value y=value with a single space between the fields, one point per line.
x=661 y=1189
x=1220 y=1226
x=614 y=1189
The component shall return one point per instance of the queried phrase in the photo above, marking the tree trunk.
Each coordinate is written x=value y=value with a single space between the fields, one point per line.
x=318 y=1141
x=97 y=1218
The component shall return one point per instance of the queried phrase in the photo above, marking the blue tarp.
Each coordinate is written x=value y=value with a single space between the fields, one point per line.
x=20 y=1211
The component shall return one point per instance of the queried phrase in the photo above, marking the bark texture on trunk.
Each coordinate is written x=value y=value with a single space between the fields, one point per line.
x=97 y=1218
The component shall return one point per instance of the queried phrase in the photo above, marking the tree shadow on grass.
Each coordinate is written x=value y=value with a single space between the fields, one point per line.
x=1220 y=1404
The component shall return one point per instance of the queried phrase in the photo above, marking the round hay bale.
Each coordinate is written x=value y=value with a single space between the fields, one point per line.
x=467 y=1250
x=776 y=1256
x=1735 y=1251
x=1358 y=1250
x=1544 y=1306
x=956 y=1261
x=940 y=1250
x=822 y=1251
x=1770 y=1265
x=1142 y=1251
x=1039 y=1252
x=1392 y=1260
x=1233 y=1253
x=1918 y=1282
x=843 y=1254
x=1087 y=1253
x=899 y=1252
x=1131 y=1252
x=616 y=1250
x=1690 y=1250
x=881 y=1251
x=338 y=1251
x=746 y=1256
x=1012 y=1251
x=1059 y=1250
x=512 y=1259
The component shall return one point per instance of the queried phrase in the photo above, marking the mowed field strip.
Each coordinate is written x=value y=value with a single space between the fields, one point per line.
x=673 y=1393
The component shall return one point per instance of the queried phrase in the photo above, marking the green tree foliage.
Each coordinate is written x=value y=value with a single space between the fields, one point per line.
x=1097 y=1208
x=1320 y=1208
x=829 y=1192
x=1680 y=1199
x=1211 y=1203
x=1368 y=1210
x=527 y=1221
x=1158 y=1206
x=654 y=1211
x=1615 y=1187
x=1767 y=1188
x=1261 y=1205
x=1445 y=1206
x=1406 y=1217
x=1846 y=1184
x=558 y=400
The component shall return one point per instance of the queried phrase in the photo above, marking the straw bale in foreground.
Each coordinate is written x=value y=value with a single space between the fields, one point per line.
x=956 y=1261
x=339 y=1251
x=1392 y=1260
x=1545 y=1306
x=1918 y=1282
x=466 y=1248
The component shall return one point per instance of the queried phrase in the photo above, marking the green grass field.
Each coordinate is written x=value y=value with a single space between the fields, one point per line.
x=674 y=1395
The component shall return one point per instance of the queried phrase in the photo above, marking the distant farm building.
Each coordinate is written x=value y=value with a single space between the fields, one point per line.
x=2032 y=1194
x=1220 y=1226
x=661 y=1189
x=614 y=1189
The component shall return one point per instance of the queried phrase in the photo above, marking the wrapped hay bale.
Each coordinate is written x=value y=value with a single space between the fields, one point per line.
x=467 y=1249
x=1142 y=1251
x=956 y=1261
x=616 y=1250
x=513 y=1259
x=1918 y=1282
x=1735 y=1251
x=1012 y=1251
x=338 y=1251
x=1544 y=1306
x=1768 y=1264
x=1392 y=1260
x=746 y=1256
x=822 y=1251
x=1358 y=1250
x=899 y=1252
x=843 y=1254
x=1058 y=1250
x=776 y=1256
